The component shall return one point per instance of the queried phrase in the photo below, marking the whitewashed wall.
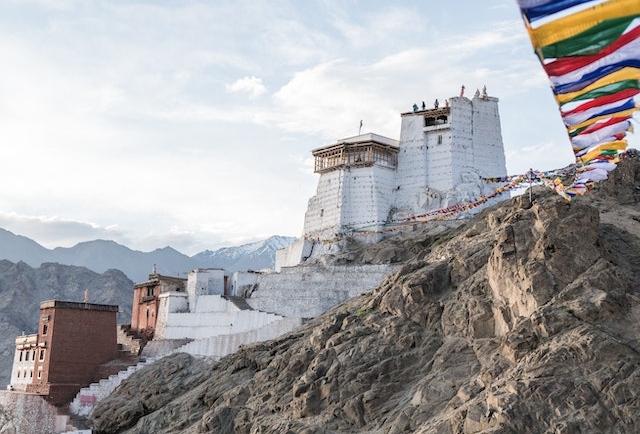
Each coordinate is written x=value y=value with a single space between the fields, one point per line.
x=489 y=158
x=292 y=255
x=208 y=281
x=239 y=280
x=366 y=195
x=438 y=166
x=169 y=302
x=323 y=214
x=412 y=171
x=305 y=292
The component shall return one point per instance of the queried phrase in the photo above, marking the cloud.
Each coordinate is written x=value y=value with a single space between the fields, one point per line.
x=54 y=232
x=539 y=156
x=249 y=85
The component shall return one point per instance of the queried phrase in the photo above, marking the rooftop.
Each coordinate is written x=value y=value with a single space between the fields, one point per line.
x=78 y=305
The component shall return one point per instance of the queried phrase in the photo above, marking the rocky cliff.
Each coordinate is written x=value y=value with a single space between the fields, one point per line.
x=524 y=320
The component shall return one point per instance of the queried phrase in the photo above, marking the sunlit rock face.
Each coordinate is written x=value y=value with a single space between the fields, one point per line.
x=524 y=320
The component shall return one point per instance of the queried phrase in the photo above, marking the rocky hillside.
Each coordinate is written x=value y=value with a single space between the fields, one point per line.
x=524 y=320
x=22 y=288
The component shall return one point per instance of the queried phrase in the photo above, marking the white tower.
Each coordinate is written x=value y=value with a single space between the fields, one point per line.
x=369 y=181
x=444 y=153
x=354 y=189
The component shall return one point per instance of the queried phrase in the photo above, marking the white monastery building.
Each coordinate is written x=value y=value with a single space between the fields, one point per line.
x=370 y=182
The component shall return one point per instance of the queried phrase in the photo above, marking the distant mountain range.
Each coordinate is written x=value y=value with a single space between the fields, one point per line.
x=102 y=255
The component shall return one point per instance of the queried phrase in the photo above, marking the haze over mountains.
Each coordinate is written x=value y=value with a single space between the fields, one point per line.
x=102 y=255
x=31 y=274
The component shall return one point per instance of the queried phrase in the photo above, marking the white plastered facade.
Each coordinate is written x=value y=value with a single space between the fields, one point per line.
x=440 y=160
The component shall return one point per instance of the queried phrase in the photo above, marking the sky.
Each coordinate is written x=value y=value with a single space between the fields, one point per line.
x=190 y=123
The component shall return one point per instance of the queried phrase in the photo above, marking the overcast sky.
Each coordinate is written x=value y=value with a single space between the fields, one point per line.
x=190 y=123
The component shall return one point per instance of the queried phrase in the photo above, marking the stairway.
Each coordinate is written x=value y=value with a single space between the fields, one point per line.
x=84 y=402
x=129 y=340
x=211 y=340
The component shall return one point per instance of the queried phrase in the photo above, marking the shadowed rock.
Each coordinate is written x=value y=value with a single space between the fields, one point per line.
x=524 y=320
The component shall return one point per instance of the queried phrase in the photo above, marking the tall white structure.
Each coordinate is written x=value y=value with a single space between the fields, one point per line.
x=367 y=182
x=355 y=186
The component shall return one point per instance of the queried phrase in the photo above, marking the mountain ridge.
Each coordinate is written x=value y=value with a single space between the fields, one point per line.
x=101 y=255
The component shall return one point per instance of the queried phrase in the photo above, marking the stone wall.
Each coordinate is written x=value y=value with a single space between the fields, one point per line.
x=305 y=292
x=23 y=413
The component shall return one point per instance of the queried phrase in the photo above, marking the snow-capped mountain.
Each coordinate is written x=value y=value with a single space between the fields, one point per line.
x=101 y=255
x=252 y=256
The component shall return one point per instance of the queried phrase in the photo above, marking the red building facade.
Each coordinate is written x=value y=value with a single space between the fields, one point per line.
x=146 y=302
x=73 y=340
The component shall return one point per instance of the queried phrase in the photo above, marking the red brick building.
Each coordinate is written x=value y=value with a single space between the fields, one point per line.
x=144 y=312
x=73 y=340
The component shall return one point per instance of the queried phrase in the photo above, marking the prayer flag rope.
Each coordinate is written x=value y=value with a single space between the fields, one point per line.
x=552 y=179
x=592 y=58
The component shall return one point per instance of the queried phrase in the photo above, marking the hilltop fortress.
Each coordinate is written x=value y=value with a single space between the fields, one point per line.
x=369 y=182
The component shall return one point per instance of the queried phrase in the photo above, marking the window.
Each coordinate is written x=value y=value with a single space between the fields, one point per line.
x=439 y=139
x=26 y=356
x=21 y=354
x=45 y=328
x=39 y=374
x=33 y=355
x=30 y=374
x=41 y=358
x=18 y=375
x=150 y=291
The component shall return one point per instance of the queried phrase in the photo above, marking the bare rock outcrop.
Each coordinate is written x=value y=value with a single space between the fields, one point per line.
x=524 y=320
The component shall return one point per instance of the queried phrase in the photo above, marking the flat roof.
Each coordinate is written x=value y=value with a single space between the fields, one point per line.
x=78 y=305
x=363 y=138
x=441 y=111
x=155 y=279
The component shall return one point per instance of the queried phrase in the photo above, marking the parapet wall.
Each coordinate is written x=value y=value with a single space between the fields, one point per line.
x=308 y=291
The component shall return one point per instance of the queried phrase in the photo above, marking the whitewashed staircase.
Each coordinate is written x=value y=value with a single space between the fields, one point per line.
x=214 y=346
x=84 y=402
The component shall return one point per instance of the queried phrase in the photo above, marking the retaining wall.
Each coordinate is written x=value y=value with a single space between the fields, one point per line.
x=306 y=292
